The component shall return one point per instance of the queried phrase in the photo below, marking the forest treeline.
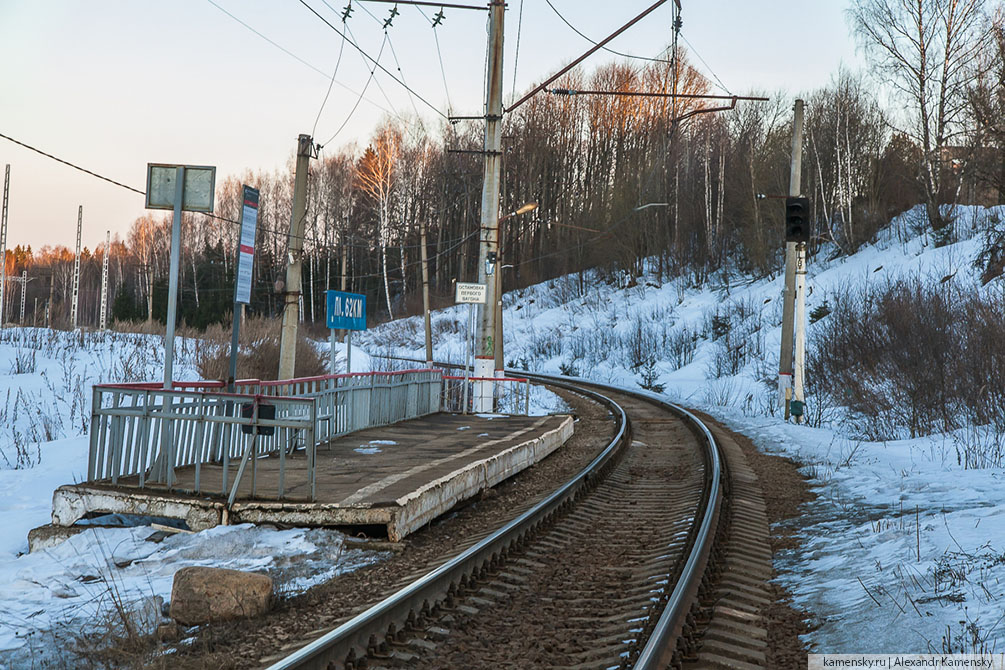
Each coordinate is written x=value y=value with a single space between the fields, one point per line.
x=617 y=180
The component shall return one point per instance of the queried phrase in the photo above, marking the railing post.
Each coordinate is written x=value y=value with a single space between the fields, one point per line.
x=311 y=446
x=526 y=405
x=172 y=442
x=115 y=433
x=247 y=452
x=200 y=436
x=92 y=454
x=144 y=437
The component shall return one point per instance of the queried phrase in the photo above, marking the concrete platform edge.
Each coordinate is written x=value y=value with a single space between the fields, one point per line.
x=433 y=499
x=73 y=502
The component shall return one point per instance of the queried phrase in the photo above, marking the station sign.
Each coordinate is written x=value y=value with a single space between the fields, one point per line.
x=198 y=191
x=345 y=311
x=470 y=293
x=246 y=246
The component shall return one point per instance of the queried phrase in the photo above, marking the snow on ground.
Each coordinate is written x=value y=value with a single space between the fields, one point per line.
x=904 y=549
x=51 y=599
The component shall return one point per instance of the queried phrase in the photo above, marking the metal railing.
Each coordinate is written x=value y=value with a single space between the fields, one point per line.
x=512 y=394
x=147 y=433
x=142 y=433
x=351 y=402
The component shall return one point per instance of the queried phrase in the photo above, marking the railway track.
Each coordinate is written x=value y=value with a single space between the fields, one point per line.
x=614 y=569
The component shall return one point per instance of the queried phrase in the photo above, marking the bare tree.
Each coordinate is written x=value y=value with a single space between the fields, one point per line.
x=377 y=174
x=143 y=241
x=987 y=105
x=926 y=50
x=847 y=132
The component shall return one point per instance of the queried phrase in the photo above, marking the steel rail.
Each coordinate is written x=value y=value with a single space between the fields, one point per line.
x=362 y=630
x=657 y=653
x=357 y=632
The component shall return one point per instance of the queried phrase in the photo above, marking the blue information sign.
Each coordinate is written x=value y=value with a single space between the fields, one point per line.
x=346 y=311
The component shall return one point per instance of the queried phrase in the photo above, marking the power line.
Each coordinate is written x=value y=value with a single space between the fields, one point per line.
x=376 y=81
x=390 y=43
x=384 y=69
x=588 y=39
x=75 y=167
x=516 y=58
x=366 y=65
x=291 y=54
x=589 y=52
x=397 y=64
x=358 y=100
x=278 y=233
x=112 y=181
x=439 y=53
x=338 y=61
x=712 y=72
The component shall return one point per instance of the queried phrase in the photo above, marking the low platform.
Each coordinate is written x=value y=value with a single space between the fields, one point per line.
x=400 y=476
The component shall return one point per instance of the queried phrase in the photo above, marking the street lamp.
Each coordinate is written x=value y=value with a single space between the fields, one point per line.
x=528 y=207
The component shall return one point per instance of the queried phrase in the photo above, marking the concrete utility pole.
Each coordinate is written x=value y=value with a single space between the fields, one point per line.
x=76 y=270
x=489 y=247
x=345 y=282
x=425 y=294
x=295 y=245
x=788 y=296
x=3 y=243
x=798 y=380
x=104 y=281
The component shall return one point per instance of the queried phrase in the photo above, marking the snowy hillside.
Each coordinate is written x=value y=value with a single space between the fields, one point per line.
x=904 y=549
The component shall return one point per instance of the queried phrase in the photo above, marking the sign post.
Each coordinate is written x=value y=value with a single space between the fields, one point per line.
x=470 y=294
x=181 y=188
x=344 y=311
x=243 y=271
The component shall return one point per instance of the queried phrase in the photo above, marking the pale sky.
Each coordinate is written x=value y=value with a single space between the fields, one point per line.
x=112 y=85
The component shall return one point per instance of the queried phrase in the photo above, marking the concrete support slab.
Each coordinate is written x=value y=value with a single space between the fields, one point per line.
x=433 y=465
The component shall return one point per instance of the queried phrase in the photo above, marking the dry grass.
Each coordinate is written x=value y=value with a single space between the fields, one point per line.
x=258 y=356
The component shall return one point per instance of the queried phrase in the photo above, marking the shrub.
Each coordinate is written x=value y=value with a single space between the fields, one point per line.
x=912 y=360
x=680 y=346
x=649 y=376
x=258 y=356
x=820 y=311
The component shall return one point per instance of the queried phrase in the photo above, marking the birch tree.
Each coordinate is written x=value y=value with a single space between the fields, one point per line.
x=926 y=51
x=377 y=175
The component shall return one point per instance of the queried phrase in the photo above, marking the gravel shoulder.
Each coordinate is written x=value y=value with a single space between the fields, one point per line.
x=785 y=491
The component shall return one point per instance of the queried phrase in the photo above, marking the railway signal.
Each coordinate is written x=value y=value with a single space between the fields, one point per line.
x=790 y=378
x=797 y=224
